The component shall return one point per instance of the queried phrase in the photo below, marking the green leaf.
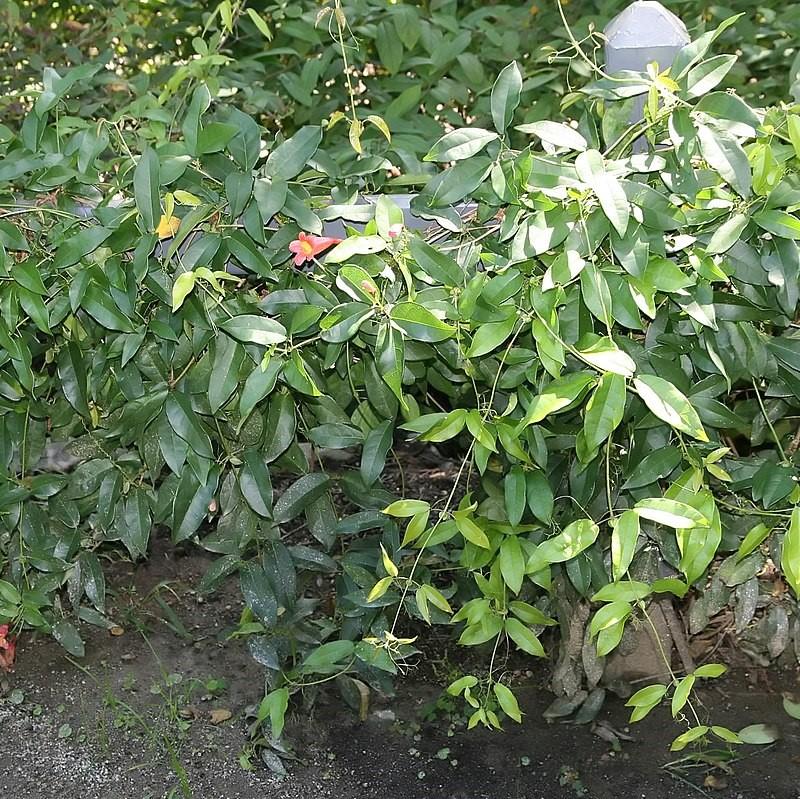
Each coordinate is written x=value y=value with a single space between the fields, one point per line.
x=726 y=155
x=255 y=329
x=539 y=495
x=649 y=696
x=490 y=335
x=505 y=96
x=435 y=263
x=73 y=376
x=11 y=237
x=706 y=75
x=460 y=144
x=624 y=591
x=792 y=708
x=710 y=670
x=604 y=410
x=607 y=357
x=228 y=359
x=300 y=495
x=570 y=542
x=280 y=425
x=99 y=304
x=754 y=538
x=668 y=404
x=471 y=531
x=512 y=563
x=134 y=526
x=265 y=31
x=255 y=483
x=354 y=246
x=524 y=638
x=681 y=695
x=557 y=134
x=146 y=189
x=790 y=553
x=591 y=169
x=182 y=288
x=759 y=734
x=185 y=422
x=27 y=275
x=515 y=489
x=373 y=455
x=727 y=234
x=793 y=123
x=288 y=159
x=238 y=190
x=80 y=245
x=419 y=324
x=67 y=635
x=624 y=536
x=558 y=396
x=779 y=223
x=507 y=701
x=328 y=657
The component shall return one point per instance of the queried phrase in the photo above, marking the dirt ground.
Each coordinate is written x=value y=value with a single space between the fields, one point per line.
x=118 y=725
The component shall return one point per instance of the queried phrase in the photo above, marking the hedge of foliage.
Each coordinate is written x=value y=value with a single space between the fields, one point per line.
x=608 y=341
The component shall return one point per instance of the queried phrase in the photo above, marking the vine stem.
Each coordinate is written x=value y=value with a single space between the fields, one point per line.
x=340 y=19
x=775 y=438
x=451 y=496
x=667 y=660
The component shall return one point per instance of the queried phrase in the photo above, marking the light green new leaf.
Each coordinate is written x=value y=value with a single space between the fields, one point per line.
x=182 y=288
x=670 y=512
x=790 y=553
x=507 y=701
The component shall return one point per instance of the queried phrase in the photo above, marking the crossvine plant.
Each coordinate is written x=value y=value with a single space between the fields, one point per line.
x=609 y=342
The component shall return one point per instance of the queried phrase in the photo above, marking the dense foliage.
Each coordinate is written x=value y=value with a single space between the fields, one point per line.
x=608 y=341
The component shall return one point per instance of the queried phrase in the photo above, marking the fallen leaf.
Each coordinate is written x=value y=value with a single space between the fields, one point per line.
x=168 y=226
x=220 y=715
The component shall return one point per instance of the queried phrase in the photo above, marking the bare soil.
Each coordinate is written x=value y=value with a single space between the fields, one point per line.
x=96 y=729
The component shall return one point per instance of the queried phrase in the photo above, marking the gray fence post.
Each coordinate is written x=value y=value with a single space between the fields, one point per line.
x=644 y=32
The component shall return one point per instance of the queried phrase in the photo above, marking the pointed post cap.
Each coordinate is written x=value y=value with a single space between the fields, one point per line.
x=643 y=24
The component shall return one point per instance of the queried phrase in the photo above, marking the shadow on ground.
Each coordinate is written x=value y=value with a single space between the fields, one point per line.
x=157 y=710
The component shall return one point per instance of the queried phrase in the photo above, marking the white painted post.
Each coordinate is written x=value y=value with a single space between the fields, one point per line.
x=644 y=32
